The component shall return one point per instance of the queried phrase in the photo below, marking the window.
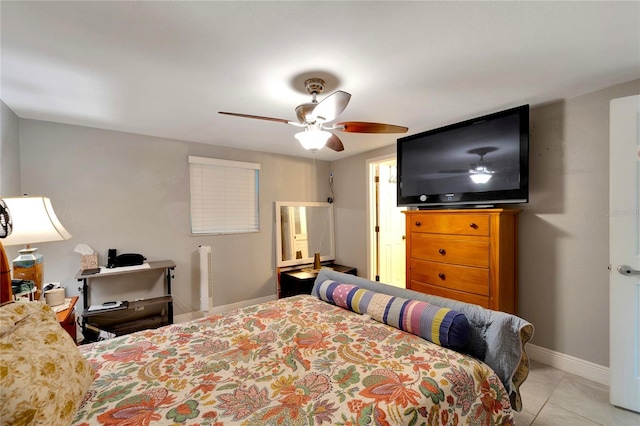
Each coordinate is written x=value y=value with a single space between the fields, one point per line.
x=224 y=196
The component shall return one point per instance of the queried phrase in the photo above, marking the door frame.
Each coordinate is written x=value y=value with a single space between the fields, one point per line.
x=371 y=209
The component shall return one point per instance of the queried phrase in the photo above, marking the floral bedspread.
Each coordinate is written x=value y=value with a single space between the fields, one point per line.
x=294 y=361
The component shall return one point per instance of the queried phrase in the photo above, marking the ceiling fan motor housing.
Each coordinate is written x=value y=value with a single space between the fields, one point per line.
x=314 y=86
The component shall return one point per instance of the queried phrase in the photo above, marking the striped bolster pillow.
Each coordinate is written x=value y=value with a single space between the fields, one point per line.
x=442 y=326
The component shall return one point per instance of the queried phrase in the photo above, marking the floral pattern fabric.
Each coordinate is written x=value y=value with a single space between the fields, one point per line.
x=43 y=377
x=294 y=361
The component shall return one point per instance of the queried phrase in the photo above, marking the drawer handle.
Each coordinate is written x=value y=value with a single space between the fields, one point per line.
x=442 y=276
x=418 y=224
x=473 y=225
x=442 y=251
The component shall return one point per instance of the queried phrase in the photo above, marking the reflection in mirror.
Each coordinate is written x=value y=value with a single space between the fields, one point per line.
x=303 y=229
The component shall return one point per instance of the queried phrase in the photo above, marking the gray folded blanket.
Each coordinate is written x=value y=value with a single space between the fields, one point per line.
x=498 y=339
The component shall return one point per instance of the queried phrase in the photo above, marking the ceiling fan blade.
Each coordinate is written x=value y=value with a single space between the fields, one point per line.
x=454 y=171
x=364 y=127
x=331 y=106
x=258 y=117
x=335 y=143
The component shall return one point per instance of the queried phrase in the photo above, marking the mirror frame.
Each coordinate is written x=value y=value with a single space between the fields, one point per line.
x=306 y=260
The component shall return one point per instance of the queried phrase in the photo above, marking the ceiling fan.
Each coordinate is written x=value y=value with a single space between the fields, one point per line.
x=314 y=117
x=480 y=171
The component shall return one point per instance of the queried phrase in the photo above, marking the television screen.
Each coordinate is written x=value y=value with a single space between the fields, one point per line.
x=483 y=161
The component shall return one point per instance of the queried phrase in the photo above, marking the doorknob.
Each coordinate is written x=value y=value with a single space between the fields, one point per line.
x=627 y=270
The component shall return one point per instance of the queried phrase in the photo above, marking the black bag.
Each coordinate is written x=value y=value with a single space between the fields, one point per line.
x=130 y=259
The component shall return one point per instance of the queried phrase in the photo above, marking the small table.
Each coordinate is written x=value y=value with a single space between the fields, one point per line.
x=67 y=318
x=136 y=315
x=300 y=281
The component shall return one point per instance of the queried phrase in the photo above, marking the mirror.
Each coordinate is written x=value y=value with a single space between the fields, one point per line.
x=303 y=229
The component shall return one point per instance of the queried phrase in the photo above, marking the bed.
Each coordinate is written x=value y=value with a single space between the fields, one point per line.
x=330 y=358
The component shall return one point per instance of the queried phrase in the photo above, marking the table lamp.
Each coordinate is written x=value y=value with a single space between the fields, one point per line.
x=34 y=221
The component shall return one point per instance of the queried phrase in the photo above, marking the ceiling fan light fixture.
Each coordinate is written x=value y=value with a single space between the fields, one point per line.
x=480 y=178
x=313 y=140
x=480 y=173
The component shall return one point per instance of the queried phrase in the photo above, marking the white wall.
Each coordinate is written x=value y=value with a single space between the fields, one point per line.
x=9 y=151
x=564 y=231
x=131 y=192
x=564 y=239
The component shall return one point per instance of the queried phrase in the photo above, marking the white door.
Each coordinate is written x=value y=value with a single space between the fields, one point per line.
x=392 y=227
x=624 y=248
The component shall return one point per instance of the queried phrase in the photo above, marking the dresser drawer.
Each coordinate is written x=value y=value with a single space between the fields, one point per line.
x=443 y=223
x=470 y=252
x=462 y=278
x=450 y=294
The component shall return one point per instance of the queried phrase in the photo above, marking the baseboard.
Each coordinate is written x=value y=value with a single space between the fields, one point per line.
x=222 y=309
x=569 y=364
x=226 y=308
x=177 y=319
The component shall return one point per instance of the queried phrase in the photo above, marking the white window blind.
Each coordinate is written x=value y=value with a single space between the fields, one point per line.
x=224 y=196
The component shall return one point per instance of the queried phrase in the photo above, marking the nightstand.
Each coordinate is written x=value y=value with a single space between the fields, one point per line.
x=67 y=318
x=300 y=281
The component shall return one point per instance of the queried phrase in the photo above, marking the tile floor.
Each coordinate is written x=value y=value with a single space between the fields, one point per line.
x=552 y=397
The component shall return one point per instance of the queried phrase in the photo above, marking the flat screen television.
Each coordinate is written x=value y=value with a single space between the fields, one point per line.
x=475 y=163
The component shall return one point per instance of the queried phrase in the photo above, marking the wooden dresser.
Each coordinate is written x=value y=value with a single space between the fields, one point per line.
x=466 y=255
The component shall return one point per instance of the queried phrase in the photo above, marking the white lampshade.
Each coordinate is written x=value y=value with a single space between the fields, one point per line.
x=34 y=221
x=313 y=139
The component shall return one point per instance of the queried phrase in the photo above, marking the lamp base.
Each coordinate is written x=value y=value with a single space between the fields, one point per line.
x=29 y=265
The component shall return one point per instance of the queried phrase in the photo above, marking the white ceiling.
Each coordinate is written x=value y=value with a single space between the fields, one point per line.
x=166 y=68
